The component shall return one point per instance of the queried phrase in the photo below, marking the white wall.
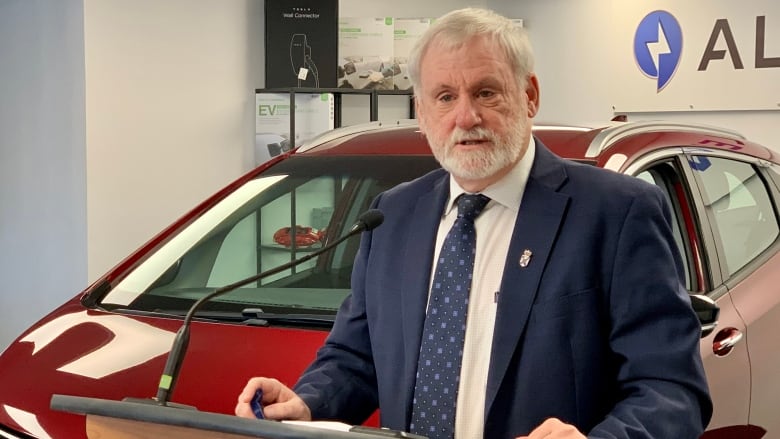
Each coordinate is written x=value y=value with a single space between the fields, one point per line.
x=43 y=249
x=169 y=112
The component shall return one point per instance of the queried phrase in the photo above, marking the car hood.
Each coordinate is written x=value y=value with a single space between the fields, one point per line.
x=76 y=351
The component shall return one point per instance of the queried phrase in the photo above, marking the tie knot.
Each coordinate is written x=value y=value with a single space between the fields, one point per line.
x=471 y=205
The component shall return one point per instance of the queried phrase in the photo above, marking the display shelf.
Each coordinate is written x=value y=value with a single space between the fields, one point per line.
x=373 y=95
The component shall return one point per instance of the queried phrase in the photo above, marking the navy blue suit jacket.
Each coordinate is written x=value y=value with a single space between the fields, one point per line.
x=597 y=330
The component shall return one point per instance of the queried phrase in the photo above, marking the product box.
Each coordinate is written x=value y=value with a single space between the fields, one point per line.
x=314 y=114
x=405 y=35
x=301 y=43
x=366 y=53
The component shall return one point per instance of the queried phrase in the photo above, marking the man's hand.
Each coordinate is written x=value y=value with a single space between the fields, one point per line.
x=279 y=401
x=553 y=428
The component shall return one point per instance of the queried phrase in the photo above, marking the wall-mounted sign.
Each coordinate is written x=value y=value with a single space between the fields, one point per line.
x=698 y=55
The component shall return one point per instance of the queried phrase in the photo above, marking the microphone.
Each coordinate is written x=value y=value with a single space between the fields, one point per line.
x=367 y=221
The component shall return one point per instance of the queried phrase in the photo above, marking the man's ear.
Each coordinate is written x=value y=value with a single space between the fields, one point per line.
x=532 y=93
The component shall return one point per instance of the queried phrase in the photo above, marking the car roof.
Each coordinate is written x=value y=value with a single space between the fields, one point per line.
x=588 y=144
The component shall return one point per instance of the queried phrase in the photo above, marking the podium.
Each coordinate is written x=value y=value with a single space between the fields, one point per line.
x=108 y=419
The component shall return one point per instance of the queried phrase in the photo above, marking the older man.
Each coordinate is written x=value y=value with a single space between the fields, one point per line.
x=576 y=325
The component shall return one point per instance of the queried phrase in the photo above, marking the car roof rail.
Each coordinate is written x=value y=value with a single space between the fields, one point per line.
x=350 y=130
x=544 y=126
x=608 y=136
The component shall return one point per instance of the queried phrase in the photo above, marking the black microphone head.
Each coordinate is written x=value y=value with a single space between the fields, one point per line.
x=369 y=220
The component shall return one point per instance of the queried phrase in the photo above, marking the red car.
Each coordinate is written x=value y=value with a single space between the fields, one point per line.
x=111 y=341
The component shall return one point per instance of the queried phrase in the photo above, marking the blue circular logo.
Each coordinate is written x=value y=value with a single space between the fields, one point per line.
x=658 y=45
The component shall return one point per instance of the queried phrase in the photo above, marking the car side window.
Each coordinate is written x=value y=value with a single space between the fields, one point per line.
x=666 y=176
x=739 y=207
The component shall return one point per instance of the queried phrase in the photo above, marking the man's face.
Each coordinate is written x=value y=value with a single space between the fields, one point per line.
x=473 y=112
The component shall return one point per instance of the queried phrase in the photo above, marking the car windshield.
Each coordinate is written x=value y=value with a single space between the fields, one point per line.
x=251 y=231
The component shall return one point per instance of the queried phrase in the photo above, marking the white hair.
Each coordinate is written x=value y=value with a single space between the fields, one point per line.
x=458 y=27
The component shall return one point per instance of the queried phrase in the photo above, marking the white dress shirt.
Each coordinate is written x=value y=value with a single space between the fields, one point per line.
x=494 y=228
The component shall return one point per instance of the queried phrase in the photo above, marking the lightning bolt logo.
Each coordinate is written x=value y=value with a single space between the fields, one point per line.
x=658 y=46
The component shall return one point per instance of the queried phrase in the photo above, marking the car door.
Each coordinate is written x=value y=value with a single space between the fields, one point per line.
x=728 y=369
x=740 y=200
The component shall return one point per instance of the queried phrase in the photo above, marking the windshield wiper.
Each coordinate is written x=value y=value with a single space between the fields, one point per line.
x=257 y=316
x=212 y=316
x=249 y=316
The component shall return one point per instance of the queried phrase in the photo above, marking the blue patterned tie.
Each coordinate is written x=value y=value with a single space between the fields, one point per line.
x=438 y=368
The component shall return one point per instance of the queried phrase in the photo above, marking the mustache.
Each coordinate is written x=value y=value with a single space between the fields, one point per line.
x=460 y=135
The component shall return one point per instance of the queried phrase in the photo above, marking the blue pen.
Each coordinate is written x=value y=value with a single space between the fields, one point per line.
x=256 y=404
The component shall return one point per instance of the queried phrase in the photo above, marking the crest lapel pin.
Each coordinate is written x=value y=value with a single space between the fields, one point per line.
x=525 y=258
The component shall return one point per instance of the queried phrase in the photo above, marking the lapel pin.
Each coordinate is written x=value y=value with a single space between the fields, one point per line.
x=525 y=258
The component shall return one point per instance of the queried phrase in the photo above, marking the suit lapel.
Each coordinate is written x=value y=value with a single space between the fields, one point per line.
x=415 y=278
x=540 y=216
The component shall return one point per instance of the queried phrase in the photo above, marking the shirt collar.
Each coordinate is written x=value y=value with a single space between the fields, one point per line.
x=509 y=190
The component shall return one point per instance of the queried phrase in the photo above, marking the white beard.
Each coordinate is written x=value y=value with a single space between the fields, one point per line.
x=479 y=163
